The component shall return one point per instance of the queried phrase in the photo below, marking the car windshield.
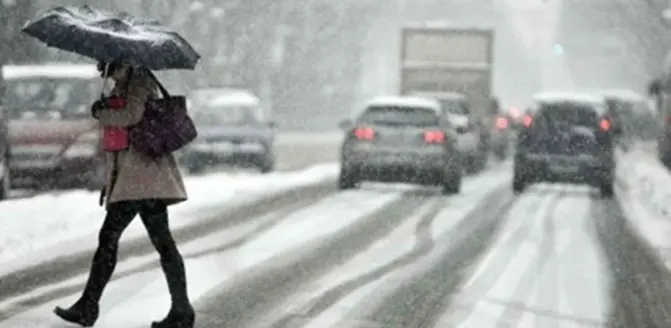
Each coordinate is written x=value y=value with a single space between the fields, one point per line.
x=397 y=115
x=226 y=115
x=48 y=98
x=452 y=106
x=569 y=114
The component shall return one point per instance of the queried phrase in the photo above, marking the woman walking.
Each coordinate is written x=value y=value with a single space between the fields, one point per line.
x=135 y=184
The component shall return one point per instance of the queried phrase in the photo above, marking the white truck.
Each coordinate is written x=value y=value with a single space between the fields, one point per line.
x=443 y=61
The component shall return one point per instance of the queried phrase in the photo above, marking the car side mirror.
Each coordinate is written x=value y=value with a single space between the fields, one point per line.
x=345 y=124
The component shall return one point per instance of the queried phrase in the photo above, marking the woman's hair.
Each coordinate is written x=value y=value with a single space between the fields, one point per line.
x=137 y=76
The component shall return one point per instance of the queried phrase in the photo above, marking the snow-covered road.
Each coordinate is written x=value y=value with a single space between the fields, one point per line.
x=388 y=256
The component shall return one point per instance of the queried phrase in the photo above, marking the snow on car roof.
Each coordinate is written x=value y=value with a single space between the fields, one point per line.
x=568 y=96
x=597 y=102
x=626 y=95
x=56 y=70
x=403 y=101
x=233 y=97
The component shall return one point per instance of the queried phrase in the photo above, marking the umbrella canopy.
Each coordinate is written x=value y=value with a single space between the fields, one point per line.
x=107 y=36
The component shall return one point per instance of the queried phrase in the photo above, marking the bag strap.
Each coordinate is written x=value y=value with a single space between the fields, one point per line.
x=164 y=91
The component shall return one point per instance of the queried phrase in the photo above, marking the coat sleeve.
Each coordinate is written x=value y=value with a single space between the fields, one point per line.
x=129 y=115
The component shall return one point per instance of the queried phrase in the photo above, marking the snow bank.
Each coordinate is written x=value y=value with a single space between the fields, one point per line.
x=68 y=222
x=645 y=197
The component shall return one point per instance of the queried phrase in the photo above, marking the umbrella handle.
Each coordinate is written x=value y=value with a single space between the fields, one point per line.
x=104 y=86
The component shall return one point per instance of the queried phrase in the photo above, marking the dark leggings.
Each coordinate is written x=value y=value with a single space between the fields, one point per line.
x=154 y=215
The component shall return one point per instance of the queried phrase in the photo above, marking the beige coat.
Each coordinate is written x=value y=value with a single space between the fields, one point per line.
x=139 y=177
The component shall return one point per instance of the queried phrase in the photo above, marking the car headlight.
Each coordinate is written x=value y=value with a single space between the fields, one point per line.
x=85 y=146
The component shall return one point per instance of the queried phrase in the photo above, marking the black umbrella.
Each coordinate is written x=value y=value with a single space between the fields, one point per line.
x=107 y=36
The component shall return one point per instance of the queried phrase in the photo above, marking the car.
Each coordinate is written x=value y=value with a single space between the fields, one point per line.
x=55 y=143
x=456 y=109
x=233 y=128
x=400 y=139
x=568 y=138
x=632 y=112
x=499 y=131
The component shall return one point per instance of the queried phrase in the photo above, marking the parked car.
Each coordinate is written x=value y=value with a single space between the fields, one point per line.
x=567 y=138
x=401 y=139
x=54 y=141
x=233 y=129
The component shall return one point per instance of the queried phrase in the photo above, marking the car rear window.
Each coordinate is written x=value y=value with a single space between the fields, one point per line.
x=569 y=114
x=399 y=115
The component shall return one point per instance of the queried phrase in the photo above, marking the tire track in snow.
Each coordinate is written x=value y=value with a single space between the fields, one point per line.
x=483 y=279
x=424 y=300
x=60 y=292
x=212 y=249
x=525 y=286
x=237 y=303
x=641 y=283
x=62 y=268
x=425 y=243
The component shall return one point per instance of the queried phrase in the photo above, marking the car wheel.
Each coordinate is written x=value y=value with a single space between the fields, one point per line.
x=474 y=163
x=347 y=179
x=519 y=180
x=606 y=189
x=5 y=183
x=452 y=184
x=500 y=153
x=195 y=167
x=266 y=164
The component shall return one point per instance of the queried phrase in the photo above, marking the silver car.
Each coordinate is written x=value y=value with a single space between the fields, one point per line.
x=400 y=139
x=232 y=129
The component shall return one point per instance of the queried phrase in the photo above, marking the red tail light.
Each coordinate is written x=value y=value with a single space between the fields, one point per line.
x=605 y=125
x=527 y=121
x=501 y=123
x=364 y=133
x=434 y=137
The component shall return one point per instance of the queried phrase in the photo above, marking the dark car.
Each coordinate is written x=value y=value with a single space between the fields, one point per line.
x=233 y=129
x=567 y=138
x=401 y=139
x=54 y=141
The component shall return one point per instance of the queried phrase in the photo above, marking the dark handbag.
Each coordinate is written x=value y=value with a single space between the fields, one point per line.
x=165 y=127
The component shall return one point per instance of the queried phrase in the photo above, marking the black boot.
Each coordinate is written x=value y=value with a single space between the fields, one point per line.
x=185 y=318
x=82 y=313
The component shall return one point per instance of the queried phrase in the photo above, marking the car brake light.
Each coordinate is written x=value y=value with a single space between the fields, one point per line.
x=605 y=125
x=501 y=123
x=527 y=121
x=364 y=133
x=434 y=137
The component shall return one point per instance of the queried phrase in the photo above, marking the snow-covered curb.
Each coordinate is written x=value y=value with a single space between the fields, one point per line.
x=645 y=197
x=58 y=224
